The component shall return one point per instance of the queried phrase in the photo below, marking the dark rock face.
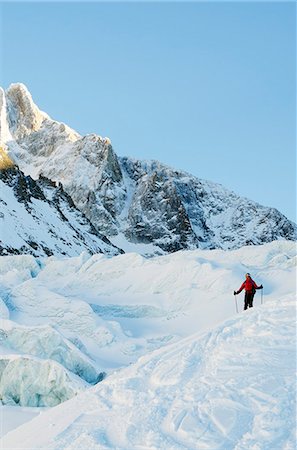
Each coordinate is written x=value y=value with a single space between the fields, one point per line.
x=158 y=215
x=24 y=188
x=174 y=210
x=39 y=218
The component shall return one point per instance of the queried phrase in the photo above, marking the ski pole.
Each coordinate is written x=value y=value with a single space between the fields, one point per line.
x=262 y=296
x=236 y=303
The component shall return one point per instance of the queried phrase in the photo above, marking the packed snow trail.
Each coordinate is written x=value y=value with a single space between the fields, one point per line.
x=232 y=388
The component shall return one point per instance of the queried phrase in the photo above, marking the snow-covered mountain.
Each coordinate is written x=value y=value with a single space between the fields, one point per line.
x=142 y=206
x=38 y=217
x=183 y=371
x=143 y=353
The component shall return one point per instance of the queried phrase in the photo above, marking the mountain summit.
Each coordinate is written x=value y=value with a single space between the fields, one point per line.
x=139 y=205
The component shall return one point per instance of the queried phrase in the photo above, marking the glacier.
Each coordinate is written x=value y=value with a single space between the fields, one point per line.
x=143 y=330
x=232 y=388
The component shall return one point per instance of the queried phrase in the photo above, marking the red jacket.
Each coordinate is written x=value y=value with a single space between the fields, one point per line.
x=249 y=285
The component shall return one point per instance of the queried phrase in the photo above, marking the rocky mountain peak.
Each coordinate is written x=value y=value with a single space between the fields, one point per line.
x=24 y=116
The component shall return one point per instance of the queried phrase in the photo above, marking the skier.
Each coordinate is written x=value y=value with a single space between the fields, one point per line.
x=250 y=289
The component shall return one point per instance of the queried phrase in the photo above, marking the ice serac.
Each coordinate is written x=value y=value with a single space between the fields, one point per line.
x=134 y=201
x=28 y=381
x=47 y=343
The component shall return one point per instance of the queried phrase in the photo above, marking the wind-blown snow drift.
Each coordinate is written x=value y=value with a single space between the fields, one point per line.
x=232 y=388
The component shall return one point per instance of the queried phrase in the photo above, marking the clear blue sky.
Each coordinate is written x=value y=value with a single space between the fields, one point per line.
x=204 y=87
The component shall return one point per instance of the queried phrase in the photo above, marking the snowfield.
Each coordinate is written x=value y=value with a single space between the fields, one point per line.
x=183 y=370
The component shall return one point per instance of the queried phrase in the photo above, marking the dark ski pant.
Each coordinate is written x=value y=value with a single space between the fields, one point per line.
x=248 y=299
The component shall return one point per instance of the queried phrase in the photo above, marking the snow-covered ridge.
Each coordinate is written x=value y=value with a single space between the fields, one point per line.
x=134 y=203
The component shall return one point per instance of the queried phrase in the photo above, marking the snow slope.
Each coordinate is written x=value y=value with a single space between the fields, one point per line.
x=94 y=314
x=231 y=388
